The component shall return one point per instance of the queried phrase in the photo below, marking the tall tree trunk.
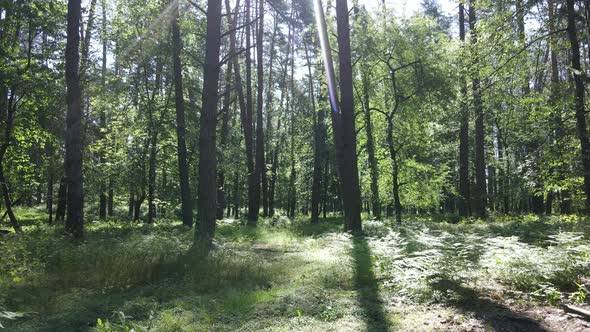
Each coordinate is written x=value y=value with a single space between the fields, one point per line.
x=207 y=192
x=342 y=119
x=73 y=160
x=373 y=167
x=183 y=168
x=225 y=112
x=325 y=184
x=137 y=206
x=292 y=193
x=559 y=132
x=464 y=202
x=102 y=209
x=62 y=191
x=237 y=196
x=480 y=195
x=111 y=198
x=349 y=175
x=50 y=198
x=319 y=146
x=253 y=201
x=277 y=147
x=578 y=75
x=536 y=197
x=269 y=124
x=260 y=171
x=131 y=205
x=8 y=109
x=152 y=172
x=395 y=170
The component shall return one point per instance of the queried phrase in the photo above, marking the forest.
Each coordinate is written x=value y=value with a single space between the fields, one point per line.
x=304 y=165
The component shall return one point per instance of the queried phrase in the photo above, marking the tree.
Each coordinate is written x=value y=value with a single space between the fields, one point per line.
x=464 y=195
x=183 y=167
x=260 y=171
x=103 y=195
x=342 y=113
x=579 y=94
x=320 y=150
x=207 y=192
x=73 y=160
x=479 y=195
x=348 y=154
x=247 y=123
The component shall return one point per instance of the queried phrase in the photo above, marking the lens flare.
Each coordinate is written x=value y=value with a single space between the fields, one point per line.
x=326 y=54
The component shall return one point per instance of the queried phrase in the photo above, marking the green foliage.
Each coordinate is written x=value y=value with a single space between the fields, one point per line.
x=138 y=277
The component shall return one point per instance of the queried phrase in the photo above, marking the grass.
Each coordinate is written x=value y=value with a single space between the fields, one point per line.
x=286 y=276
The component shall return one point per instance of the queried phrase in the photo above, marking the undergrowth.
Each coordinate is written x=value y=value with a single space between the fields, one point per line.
x=283 y=274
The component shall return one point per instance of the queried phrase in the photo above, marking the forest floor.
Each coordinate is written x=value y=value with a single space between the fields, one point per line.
x=509 y=274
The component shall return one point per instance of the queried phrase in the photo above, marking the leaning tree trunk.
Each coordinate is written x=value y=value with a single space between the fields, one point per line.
x=579 y=98
x=183 y=167
x=7 y=202
x=3 y=182
x=74 y=129
x=207 y=191
x=7 y=108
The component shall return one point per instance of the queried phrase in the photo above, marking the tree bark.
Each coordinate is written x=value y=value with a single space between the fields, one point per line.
x=373 y=167
x=260 y=171
x=269 y=125
x=253 y=202
x=73 y=160
x=152 y=170
x=221 y=196
x=50 y=198
x=102 y=210
x=395 y=170
x=207 y=192
x=579 y=99
x=480 y=192
x=343 y=119
x=183 y=167
x=111 y=197
x=277 y=147
x=8 y=110
x=292 y=192
x=62 y=191
x=464 y=202
x=319 y=146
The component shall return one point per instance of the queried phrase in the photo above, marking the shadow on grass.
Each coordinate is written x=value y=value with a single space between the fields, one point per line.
x=224 y=288
x=497 y=317
x=367 y=286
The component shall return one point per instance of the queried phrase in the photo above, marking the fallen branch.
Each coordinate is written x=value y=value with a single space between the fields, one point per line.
x=576 y=310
